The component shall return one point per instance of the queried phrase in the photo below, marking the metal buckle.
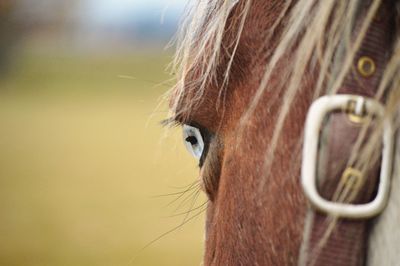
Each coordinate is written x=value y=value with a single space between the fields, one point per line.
x=317 y=112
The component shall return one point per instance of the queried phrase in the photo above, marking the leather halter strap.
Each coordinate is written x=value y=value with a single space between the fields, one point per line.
x=342 y=241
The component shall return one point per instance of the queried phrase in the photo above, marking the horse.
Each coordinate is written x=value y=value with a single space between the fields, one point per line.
x=247 y=73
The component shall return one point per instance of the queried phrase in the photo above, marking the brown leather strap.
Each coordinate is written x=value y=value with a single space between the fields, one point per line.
x=343 y=241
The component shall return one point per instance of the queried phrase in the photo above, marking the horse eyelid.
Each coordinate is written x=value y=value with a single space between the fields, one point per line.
x=211 y=170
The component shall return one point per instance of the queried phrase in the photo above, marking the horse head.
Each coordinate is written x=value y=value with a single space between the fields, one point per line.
x=247 y=73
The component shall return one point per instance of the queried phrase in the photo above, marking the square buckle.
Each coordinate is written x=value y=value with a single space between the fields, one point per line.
x=317 y=112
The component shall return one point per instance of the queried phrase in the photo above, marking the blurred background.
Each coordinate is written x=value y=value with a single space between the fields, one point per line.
x=83 y=158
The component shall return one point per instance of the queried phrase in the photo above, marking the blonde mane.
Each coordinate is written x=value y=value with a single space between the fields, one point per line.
x=316 y=31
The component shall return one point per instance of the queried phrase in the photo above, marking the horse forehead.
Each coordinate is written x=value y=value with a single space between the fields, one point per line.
x=245 y=73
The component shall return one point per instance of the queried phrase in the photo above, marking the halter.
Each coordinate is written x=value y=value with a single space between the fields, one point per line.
x=344 y=198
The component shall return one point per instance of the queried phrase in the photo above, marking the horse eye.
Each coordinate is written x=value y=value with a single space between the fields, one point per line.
x=193 y=141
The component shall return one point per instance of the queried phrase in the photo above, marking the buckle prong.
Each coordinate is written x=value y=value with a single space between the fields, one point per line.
x=356 y=111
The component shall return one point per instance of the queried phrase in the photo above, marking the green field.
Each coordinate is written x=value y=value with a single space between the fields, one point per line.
x=82 y=157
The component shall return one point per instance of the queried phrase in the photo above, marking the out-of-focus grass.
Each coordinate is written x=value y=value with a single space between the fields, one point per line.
x=81 y=157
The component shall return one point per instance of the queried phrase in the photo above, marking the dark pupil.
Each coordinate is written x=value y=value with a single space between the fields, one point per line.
x=192 y=140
